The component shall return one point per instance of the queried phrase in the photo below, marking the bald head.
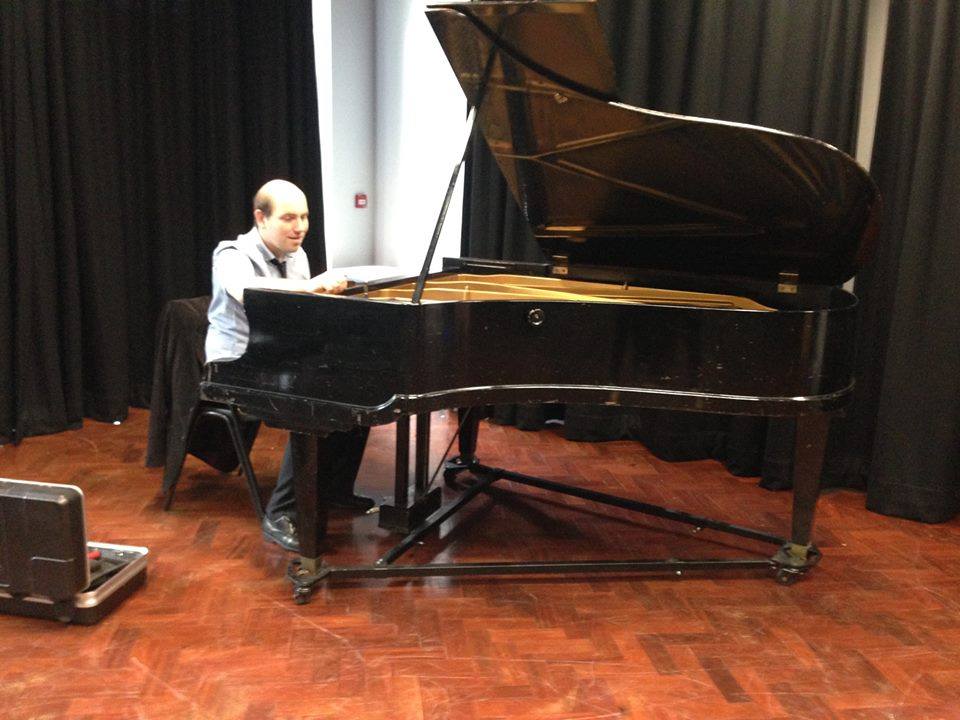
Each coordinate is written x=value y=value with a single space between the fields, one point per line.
x=280 y=212
x=266 y=196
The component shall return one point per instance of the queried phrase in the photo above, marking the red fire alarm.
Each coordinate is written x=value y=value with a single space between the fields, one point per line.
x=360 y=200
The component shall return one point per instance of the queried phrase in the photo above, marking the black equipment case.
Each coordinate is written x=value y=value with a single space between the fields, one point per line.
x=47 y=567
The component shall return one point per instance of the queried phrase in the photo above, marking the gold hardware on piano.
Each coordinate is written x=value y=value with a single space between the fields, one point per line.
x=788 y=282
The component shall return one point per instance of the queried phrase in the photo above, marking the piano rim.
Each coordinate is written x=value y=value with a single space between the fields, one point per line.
x=304 y=414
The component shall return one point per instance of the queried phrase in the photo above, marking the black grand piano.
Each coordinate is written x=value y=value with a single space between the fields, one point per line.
x=695 y=265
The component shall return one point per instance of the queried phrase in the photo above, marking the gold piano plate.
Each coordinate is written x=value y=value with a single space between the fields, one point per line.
x=467 y=287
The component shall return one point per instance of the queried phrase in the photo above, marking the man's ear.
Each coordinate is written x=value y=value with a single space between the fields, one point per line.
x=258 y=217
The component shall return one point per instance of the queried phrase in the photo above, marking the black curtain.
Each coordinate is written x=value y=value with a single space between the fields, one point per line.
x=133 y=137
x=901 y=437
x=788 y=65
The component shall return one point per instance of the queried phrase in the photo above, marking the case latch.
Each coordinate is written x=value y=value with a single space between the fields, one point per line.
x=787 y=283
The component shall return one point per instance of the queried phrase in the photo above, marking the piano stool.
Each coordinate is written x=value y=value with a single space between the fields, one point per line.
x=241 y=441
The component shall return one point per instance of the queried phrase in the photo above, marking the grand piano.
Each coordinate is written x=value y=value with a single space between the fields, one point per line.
x=694 y=265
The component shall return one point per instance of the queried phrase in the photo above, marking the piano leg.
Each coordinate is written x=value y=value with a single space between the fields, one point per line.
x=320 y=464
x=796 y=556
x=314 y=458
x=422 y=460
x=467 y=444
x=311 y=497
x=401 y=469
x=469 y=432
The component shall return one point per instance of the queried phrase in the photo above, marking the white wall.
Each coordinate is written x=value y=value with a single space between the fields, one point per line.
x=876 y=37
x=420 y=119
x=346 y=83
x=874 y=43
x=391 y=125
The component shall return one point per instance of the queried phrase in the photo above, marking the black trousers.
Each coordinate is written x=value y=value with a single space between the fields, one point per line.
x=346 y=449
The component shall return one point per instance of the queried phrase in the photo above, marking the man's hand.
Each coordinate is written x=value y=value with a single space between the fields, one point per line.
x=330 y=282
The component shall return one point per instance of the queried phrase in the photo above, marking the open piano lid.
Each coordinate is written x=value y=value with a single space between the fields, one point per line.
x=608 y=184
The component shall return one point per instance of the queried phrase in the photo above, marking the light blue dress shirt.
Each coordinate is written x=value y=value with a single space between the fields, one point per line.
x=239 y=263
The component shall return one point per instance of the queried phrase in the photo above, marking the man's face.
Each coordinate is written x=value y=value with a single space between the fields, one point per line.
x=284 y=230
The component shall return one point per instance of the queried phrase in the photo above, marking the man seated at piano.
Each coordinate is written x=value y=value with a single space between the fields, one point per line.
x=270 y=255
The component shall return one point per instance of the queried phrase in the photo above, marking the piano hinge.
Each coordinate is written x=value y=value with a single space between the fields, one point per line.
x=561 y=265
x=787 y=283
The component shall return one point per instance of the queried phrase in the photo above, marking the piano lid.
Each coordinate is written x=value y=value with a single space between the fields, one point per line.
x=609 y=184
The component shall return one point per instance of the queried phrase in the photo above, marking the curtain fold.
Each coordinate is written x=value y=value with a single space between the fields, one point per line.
x=901 y=437
x=791 y=66
x=133 y=137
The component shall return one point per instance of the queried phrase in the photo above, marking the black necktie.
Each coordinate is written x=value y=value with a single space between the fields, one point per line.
x=281 y=266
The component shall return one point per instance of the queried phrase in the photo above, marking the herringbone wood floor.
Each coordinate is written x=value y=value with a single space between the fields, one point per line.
x=872 y=633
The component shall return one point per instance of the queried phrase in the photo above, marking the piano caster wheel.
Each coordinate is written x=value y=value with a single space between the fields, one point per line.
x=301 y=595
x=453 y=468
x=788 y=576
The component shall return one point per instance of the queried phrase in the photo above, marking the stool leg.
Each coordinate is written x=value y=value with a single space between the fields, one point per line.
x=233 y=423
x=172 y=478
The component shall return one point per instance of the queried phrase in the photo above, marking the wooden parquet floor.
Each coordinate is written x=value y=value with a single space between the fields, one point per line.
x=872 y=633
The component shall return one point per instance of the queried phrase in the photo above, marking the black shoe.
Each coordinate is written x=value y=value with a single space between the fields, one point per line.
x=357 y=503
x=282 y=531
